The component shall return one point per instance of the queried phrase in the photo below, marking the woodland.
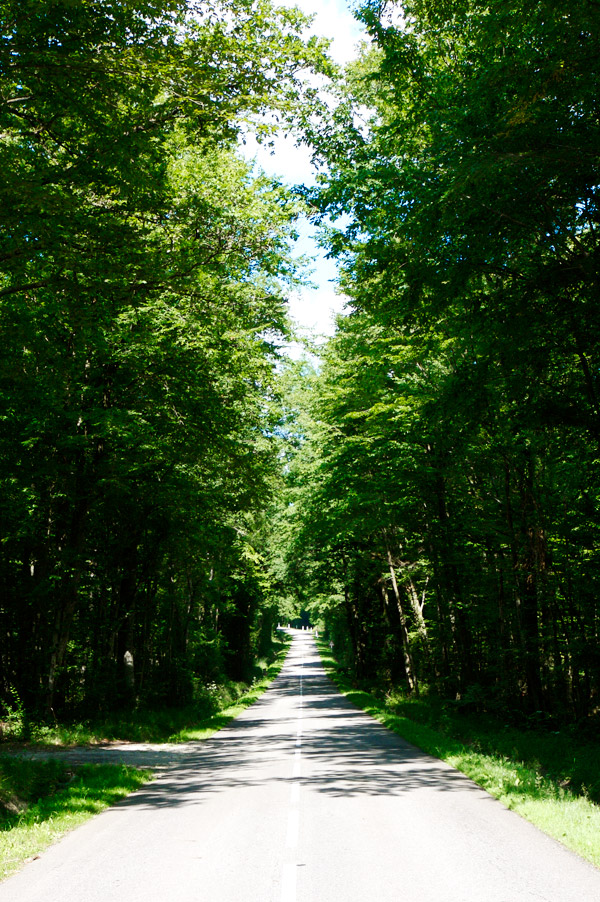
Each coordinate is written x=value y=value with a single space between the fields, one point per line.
x=172 y=485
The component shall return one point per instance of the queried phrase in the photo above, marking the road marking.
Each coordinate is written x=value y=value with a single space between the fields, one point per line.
x=288 y=879
x=288 y=883
x=293 y=831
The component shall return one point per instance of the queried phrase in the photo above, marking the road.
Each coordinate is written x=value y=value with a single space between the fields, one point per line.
x=306 y=799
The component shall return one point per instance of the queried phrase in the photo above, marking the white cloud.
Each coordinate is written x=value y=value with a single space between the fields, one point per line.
x=313 y=309
x=284 y=159
x=334 y=20
x=313 y=312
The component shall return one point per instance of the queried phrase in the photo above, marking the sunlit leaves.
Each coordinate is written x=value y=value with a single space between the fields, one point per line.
x=142 y=279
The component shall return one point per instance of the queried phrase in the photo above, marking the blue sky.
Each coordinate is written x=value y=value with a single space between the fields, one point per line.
x=313 y=309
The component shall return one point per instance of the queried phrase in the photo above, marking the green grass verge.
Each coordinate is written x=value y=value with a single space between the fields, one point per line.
x=522 y=785
x=40 y=801
x=215 y=706
x=206 y=728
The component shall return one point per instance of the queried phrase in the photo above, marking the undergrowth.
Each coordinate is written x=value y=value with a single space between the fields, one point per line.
x=215 y=704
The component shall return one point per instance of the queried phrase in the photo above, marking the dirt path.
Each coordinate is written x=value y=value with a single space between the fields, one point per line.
x=136 y=754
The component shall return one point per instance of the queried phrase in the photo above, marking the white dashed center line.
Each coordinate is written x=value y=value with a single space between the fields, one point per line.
x=288 y=883
x=289 y=874
x=297 y=765
x=293 y=829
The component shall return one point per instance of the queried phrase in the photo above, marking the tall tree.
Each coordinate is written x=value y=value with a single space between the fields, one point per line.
x=463 y=156
x=141 y=296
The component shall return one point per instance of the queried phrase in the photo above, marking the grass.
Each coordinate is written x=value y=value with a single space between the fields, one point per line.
x=215 y=706
x=205 y=728
x=546 y=778
x=40 y=801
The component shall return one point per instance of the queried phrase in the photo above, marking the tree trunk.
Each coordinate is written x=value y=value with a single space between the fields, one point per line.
x=409 y=665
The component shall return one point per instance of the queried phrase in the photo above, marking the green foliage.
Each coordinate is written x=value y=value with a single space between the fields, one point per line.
x=168 y=489
x=210 y=709
x=194 y=731
x=143 y=270
x=445 y=491
x=14 y=722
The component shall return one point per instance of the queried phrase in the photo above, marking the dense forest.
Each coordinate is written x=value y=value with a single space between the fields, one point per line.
x=448 y=499
x=143 y=271
x=428 y=490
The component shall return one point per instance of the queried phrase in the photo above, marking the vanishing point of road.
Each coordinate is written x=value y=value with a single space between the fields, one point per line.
x=304 y=798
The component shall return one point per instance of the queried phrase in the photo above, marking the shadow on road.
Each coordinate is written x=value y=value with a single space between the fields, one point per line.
x=344 y=751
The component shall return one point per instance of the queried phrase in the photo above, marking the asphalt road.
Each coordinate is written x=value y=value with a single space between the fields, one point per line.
x=306 y=799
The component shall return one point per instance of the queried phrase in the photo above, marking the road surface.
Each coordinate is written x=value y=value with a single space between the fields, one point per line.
x=306 y=799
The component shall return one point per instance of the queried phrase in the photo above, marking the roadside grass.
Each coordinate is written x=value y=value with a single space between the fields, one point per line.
x=40 y=801
x=545 y=778
x=215 y=706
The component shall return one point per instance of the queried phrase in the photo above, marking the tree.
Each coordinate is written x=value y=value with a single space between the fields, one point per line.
x=141 y=299
x=463 y=155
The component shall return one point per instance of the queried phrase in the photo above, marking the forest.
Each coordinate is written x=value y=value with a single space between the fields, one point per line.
x=172 y=484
